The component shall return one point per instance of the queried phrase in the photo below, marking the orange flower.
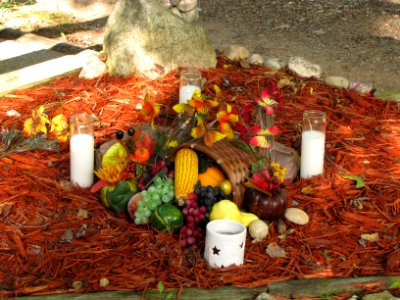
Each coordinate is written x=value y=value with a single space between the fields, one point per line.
x=141 y=155
x=150 y=110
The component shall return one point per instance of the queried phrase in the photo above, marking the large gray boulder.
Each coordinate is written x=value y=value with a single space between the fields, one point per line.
x=143 y=37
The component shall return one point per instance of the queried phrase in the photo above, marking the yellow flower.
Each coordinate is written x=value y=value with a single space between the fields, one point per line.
x=111 y=173
x=37 y=123
x=59 y=126
x=279 y=172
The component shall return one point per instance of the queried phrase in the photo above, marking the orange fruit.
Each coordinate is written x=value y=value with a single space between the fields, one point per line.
x=212 y=176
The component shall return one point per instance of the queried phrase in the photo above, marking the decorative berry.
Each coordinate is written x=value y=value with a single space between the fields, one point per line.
x=119 y=134
x=131 y=131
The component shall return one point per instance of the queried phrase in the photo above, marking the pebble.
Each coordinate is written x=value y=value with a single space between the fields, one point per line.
x=265 y=296
x=296 y=216
x=12 y=113
x=304 y=68
x=104 y=282
x=274 y=64
x=337 y=81
x=237 y=52
x=256 y=60
x=362 y=88
x=77 y=284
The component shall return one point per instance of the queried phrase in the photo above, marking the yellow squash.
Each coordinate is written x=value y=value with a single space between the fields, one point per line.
x=185 y=174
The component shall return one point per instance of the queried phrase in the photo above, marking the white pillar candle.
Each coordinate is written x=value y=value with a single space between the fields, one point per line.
x=312 y=153
x=81 y=146
x=186 y=92
x=313 y=143
x=82 y=159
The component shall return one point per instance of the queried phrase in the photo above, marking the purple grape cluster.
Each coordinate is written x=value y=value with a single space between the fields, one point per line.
x=190 y=232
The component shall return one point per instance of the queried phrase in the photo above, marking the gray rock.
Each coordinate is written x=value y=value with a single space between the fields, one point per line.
x=92 y=66
x=304 y=68
x=274 y=64
x=187 y=5
x=144 y=38
x=256 y=59
x=360 y=87
x=236 y=52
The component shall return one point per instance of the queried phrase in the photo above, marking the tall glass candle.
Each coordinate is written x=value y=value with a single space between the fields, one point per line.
x=312 y=143
x=190 y=80
x=82 y=150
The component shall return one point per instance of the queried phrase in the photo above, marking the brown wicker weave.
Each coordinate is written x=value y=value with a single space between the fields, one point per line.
x=234 y=162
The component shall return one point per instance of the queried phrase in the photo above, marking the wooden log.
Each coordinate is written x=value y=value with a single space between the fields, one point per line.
x=314 y=287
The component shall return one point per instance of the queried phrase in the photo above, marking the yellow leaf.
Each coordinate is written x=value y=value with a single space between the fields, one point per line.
x=179 y=108
x=213 y=136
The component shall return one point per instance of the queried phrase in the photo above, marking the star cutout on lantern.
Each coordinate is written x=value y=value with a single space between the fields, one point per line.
x=216 y=250
x=241 y=245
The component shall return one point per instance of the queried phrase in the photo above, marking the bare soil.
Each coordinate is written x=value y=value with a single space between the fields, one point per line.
x=358 y=39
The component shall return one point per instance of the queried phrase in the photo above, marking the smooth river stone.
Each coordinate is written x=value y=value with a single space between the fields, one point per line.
x=296 y=216
x=337 y=81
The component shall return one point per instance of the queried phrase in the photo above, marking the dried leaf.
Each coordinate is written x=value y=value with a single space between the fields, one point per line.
x=370 y=237
x=82 y=213
x=274 y=250
x=5 y=210
x=307 y=190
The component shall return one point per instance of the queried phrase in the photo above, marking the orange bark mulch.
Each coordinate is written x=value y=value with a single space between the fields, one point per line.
x=47 y=244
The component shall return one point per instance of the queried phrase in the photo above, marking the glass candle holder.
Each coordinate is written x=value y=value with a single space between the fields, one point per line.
x=82 y=150
x=312 y=143
x=225 y=243
x=190 y=80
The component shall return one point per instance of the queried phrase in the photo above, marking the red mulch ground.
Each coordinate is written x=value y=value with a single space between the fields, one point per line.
x=37 y=213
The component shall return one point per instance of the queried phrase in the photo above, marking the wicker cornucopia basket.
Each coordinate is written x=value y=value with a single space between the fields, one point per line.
x=234 y=162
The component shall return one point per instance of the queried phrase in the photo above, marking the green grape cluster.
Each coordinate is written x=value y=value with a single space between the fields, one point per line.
x=160 y=191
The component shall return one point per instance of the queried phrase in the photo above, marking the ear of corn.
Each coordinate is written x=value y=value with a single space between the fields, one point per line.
x=185 y=174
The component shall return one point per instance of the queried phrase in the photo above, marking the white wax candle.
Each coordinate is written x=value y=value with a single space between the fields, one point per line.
x=186 y=92
x=82 y=159
x=312 y=153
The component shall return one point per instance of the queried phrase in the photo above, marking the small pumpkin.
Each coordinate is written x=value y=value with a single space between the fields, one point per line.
x=213 y=176
x=266 y=207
